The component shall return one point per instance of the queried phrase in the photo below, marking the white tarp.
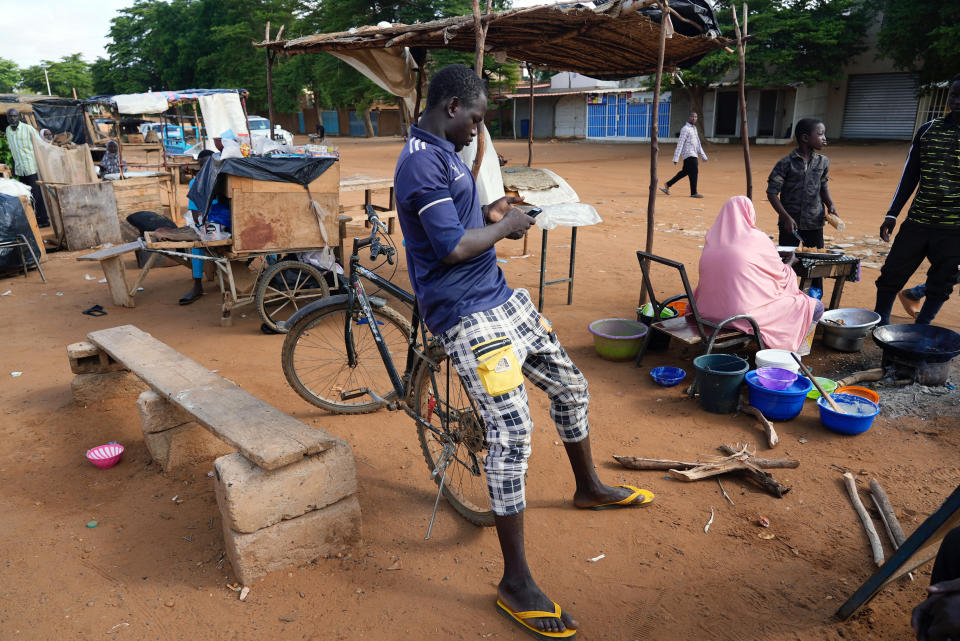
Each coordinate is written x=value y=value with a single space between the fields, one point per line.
x=392 y=70
x=222 y=111
x=489 y=179
x=141 y=103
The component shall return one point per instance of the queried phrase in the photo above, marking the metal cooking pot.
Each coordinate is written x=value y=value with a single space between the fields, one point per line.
x=855 y=325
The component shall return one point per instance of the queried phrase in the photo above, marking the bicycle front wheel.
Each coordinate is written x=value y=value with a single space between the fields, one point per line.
x=450 y=409
x=315 y=357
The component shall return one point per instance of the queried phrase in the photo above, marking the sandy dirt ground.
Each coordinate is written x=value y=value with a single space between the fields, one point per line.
x=152 y=569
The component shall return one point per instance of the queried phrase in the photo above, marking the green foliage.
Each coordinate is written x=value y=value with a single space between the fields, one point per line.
x=923 y=36
x=6 y=158
x=66 y=74
x=9 y=75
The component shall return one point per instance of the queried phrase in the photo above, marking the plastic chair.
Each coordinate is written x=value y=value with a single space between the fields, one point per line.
x=20 y=241
x=692 y=328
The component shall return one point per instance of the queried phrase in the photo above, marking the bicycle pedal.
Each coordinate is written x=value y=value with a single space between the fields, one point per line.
x=356 y=393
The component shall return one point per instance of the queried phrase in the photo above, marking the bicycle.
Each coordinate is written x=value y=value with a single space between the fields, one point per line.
x=331 y=362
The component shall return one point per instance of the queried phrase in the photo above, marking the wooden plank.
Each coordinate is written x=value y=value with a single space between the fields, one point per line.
x=262 y=433
x=183 y=244
x=89 y=214
x=116 y=275
x=282 y=221
x=684 y=328
x=52 y=202
x=364 y=182
x=32 y=220
x=109 y=252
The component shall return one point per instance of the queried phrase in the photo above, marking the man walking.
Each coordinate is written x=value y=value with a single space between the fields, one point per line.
x=493 y=334
x=932 y=227
x=688 y=148
x=20 y=137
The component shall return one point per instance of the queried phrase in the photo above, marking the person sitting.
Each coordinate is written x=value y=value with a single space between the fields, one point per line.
x=742 y=273
x=110 y=163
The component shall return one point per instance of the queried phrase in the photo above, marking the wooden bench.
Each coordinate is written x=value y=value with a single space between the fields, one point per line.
x=262 y=433
x=111 y=261
x=287 y=496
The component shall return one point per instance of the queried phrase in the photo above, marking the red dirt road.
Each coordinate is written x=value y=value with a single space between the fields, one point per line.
x=150 y=569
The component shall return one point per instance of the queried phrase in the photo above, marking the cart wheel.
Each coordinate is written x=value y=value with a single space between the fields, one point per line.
x=285 y=287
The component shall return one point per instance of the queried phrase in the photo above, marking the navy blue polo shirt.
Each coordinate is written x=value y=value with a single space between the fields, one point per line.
x=436 y=203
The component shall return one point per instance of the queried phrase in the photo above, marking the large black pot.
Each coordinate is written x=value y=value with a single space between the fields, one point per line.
x=922 y=343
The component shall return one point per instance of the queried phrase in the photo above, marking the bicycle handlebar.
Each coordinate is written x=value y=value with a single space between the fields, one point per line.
x=373 y=241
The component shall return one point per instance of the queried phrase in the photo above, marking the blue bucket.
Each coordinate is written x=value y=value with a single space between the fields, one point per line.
x=779 y=405
x=857 y=417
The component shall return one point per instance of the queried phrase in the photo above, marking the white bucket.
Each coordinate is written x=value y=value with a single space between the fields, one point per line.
x=776 y=358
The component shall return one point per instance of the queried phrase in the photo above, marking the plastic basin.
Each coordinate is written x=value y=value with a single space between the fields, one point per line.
x=776 y=378
x=828 y=384
x=719 y=377
x=105 y=456
x=857 y=417
x=667 y=376
x=617 y=339
x=658 y=341
x=776 y=358
x=862 y=392
x=781 y=405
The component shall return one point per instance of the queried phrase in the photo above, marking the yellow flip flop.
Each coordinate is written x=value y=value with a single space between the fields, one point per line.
x=627 y=501
x=520 y=619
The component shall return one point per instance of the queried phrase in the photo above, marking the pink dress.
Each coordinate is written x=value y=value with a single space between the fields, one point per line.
x=741 y=273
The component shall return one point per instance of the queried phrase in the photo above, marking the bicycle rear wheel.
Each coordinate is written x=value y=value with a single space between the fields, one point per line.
x=315 y=357
x=451 y=410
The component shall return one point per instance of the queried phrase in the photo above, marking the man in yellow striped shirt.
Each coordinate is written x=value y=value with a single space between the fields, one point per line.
x=20 y=137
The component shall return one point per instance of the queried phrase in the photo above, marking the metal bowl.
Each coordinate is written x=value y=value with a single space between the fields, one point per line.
x=846 y=328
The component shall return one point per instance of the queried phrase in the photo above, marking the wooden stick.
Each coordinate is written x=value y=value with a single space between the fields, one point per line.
x=724 y=492
x=772 y=438
x=859 y=377
x=886 y=511
x=871 y=531
x=767 y=463
x=636 y=463
x=741 y=83
x=655 y=138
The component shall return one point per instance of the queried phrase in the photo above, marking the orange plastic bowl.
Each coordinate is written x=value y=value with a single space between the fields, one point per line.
x=862 y=392
x=680 y=306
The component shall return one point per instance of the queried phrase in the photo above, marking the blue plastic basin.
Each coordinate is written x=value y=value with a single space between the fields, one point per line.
x=857 y=417
x=779 y=405
x=667 y=376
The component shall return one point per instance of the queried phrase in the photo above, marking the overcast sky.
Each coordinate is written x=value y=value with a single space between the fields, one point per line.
x=52 y=29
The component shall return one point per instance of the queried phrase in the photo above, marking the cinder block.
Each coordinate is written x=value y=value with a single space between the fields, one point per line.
x=87 y=358
x=158 y=414
x=333 y=529
x=251 y=498
x=184 y=445
x=89 y=388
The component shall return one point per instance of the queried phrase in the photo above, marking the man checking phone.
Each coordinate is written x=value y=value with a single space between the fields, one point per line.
x=493 y=335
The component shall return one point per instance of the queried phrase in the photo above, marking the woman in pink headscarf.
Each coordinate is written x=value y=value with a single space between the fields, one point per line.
x=742 y=273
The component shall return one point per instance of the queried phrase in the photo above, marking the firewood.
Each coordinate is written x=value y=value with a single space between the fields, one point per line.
x=772 y=438
x=886 y=511
x=871 y=531
x=765 y=463
x=861 y=377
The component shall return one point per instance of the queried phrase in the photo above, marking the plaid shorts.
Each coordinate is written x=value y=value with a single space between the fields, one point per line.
x=515 y=327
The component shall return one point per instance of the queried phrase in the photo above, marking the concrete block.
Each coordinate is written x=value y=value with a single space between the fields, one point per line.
x=86 y=358
x=251 y=498
x=333 y=529
x=89 y=388
x=184 y=445
x=157 y=414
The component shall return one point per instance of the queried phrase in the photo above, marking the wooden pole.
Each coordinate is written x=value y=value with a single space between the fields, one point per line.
x=530 y=132
x=741 y=84
x=270 y=58
x=416 y=107
x=655 y=140
x=479 y=34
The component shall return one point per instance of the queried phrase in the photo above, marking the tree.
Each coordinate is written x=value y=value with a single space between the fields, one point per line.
x=923 y=36
x=794 y=41
x=65 y=75
x=9 y=75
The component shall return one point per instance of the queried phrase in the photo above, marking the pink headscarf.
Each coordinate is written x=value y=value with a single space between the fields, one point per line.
x=741 y=273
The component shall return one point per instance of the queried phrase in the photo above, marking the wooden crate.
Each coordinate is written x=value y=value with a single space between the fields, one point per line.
x=269 y=215
x=147 y=193
x=32 y=220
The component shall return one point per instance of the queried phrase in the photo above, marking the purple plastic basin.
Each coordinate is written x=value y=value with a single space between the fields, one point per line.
x=775 y=378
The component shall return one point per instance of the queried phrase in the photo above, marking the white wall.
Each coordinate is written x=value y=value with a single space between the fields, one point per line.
x=813 y=102
x=570 y=80
x=570 y=118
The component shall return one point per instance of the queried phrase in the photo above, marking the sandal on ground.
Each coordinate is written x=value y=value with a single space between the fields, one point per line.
x=696 y=195
x=520 y=618
x=192 y=297
x=635 y=498
x=665 y=190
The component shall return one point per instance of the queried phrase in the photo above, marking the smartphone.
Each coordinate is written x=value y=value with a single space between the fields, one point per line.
x=533 y=212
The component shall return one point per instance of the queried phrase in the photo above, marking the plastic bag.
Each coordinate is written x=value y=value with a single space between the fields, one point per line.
x=231 y=149
x=323 y=259
x=567 y=215
x=262 y=145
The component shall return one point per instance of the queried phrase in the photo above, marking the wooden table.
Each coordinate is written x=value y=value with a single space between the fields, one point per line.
x=367 y=184
x=839 y=268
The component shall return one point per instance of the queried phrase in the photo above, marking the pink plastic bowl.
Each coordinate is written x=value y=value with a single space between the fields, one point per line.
x=105 y=456
x=775 y=378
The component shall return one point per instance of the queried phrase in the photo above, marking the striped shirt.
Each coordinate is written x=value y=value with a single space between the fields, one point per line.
x=21 y=147
x=688 y=144
x=933 y=163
